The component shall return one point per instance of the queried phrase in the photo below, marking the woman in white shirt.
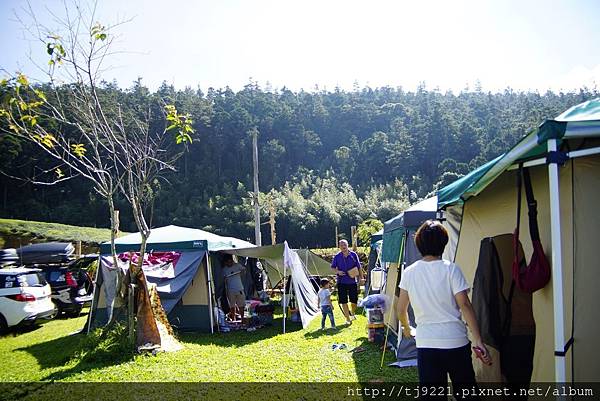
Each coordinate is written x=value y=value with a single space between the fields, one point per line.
x=437 y=291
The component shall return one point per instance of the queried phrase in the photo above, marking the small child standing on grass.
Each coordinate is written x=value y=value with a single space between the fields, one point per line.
x=325 y=303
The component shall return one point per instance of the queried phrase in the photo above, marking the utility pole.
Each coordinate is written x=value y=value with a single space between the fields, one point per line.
x=254 y=133
x=337 y=237
x=272 y=221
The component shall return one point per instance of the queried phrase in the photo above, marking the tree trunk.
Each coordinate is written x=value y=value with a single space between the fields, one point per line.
x=147 y=330
x=120 y=290
x=114 y=227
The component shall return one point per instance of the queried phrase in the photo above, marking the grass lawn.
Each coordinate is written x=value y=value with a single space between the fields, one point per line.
x=51 y=352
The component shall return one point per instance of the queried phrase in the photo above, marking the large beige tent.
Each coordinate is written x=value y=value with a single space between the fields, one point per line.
x=483 y=204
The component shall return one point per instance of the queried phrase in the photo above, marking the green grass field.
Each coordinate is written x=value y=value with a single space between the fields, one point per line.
x=53 y=353
x=44 y=358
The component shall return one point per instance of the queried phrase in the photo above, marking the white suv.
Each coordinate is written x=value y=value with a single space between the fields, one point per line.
x=24 y=297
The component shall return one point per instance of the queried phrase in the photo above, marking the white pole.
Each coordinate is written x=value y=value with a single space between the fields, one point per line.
x=283 y=299
x=257 y=238
x=306 y=261
x=557 y=279
x=210 y=294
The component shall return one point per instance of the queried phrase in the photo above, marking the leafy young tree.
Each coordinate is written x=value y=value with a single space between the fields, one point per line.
x=73 y=121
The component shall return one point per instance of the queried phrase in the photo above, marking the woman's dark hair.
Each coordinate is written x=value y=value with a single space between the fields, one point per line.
x=431 y=238
x=226 y=257
x=324 y=282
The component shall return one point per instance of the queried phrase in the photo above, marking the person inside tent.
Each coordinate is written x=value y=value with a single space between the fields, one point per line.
x=232 y=273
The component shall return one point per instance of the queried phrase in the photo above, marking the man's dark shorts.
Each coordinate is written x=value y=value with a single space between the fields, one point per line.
x=346 y=291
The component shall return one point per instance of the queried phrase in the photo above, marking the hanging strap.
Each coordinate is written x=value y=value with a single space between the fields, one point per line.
x=534 y=231
x=519 y=172
x=516 y=234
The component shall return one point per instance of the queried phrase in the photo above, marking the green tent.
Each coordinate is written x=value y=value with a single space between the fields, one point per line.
x=192 y=283
x=406 y=222
x=563 y=157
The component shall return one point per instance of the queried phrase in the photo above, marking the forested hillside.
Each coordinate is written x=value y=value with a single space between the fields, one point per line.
x=326 y=158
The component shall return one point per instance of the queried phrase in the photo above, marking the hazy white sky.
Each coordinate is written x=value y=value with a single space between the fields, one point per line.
x=524 y=44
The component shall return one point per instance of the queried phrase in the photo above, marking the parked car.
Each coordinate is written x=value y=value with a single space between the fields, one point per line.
x=24 y=297
x=72 y=285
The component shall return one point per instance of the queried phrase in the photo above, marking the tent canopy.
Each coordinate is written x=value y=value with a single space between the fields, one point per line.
x=272 y=254
x=580 y=121
x=176 y=238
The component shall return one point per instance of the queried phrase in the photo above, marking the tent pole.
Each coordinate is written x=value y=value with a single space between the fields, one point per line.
x=306 y=261
x=283 y=299
x=557 y=268
x=401 y=259
x=572 y=154
x=210 y=294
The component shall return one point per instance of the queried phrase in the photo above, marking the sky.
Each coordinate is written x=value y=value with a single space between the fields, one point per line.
x=451 y=45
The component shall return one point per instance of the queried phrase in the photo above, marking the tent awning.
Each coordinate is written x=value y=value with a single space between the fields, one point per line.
x=273 y=255
x=282 y=261
x=582 y=120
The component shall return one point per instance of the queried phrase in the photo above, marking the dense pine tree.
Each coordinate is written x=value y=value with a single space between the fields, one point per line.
x=326 y=158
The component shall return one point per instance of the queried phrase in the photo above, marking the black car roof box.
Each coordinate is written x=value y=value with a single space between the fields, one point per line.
x=49 y=252
x=8 y=256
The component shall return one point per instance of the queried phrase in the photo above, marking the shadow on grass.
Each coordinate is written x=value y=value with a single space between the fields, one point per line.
x=15 y=331
x=93 y=351
x=64 y=316
x=238 y=338
x=367 y=364
x=327 y=332
x=55 y=352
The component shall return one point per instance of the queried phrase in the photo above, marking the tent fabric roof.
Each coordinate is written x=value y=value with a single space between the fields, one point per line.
x=175 y=237
x=375 y=237
x=411 y=218
x=582 y=120
x=453 y=193
x=586 y=111
x=273 y=254
x=414 y=216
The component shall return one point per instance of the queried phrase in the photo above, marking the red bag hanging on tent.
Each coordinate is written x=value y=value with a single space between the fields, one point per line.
x=536 y=274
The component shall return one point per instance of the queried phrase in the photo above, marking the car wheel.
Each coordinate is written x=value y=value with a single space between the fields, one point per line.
x=74 y=312
x=59 y=310
x=3 y=325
